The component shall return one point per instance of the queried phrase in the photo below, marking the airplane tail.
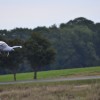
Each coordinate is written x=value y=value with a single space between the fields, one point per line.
x=17 y=47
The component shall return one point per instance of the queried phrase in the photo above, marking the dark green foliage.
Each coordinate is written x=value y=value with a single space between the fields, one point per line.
x=77 y=43
x=12 y=61
x=39 y=52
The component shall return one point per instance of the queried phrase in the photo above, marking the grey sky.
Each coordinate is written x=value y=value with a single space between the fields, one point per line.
x=33 y=13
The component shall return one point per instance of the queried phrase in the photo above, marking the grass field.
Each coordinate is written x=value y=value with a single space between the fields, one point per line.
x=68 y=90
x=54 y=74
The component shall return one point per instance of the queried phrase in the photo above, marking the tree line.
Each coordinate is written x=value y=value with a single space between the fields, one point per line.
x=36 y=50
x=74 y=44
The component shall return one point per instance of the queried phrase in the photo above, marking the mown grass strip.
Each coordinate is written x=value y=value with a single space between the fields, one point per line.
x=54 y=74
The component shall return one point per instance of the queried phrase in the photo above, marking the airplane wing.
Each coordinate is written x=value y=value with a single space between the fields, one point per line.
x=2 y=45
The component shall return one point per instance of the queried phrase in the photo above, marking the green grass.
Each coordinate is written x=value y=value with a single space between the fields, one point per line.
x=66 y=90
x=54 y=74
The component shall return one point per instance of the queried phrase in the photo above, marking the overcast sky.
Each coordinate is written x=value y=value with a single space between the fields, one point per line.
x=33 y=13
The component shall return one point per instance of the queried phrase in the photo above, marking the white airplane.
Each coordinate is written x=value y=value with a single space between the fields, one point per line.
x=6 y=48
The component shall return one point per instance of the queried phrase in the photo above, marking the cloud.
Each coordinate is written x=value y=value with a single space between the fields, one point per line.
x=32 y=13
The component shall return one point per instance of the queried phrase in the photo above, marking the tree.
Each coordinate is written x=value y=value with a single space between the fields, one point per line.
x=12 y=61
x=77 y=42
x=39 y=52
